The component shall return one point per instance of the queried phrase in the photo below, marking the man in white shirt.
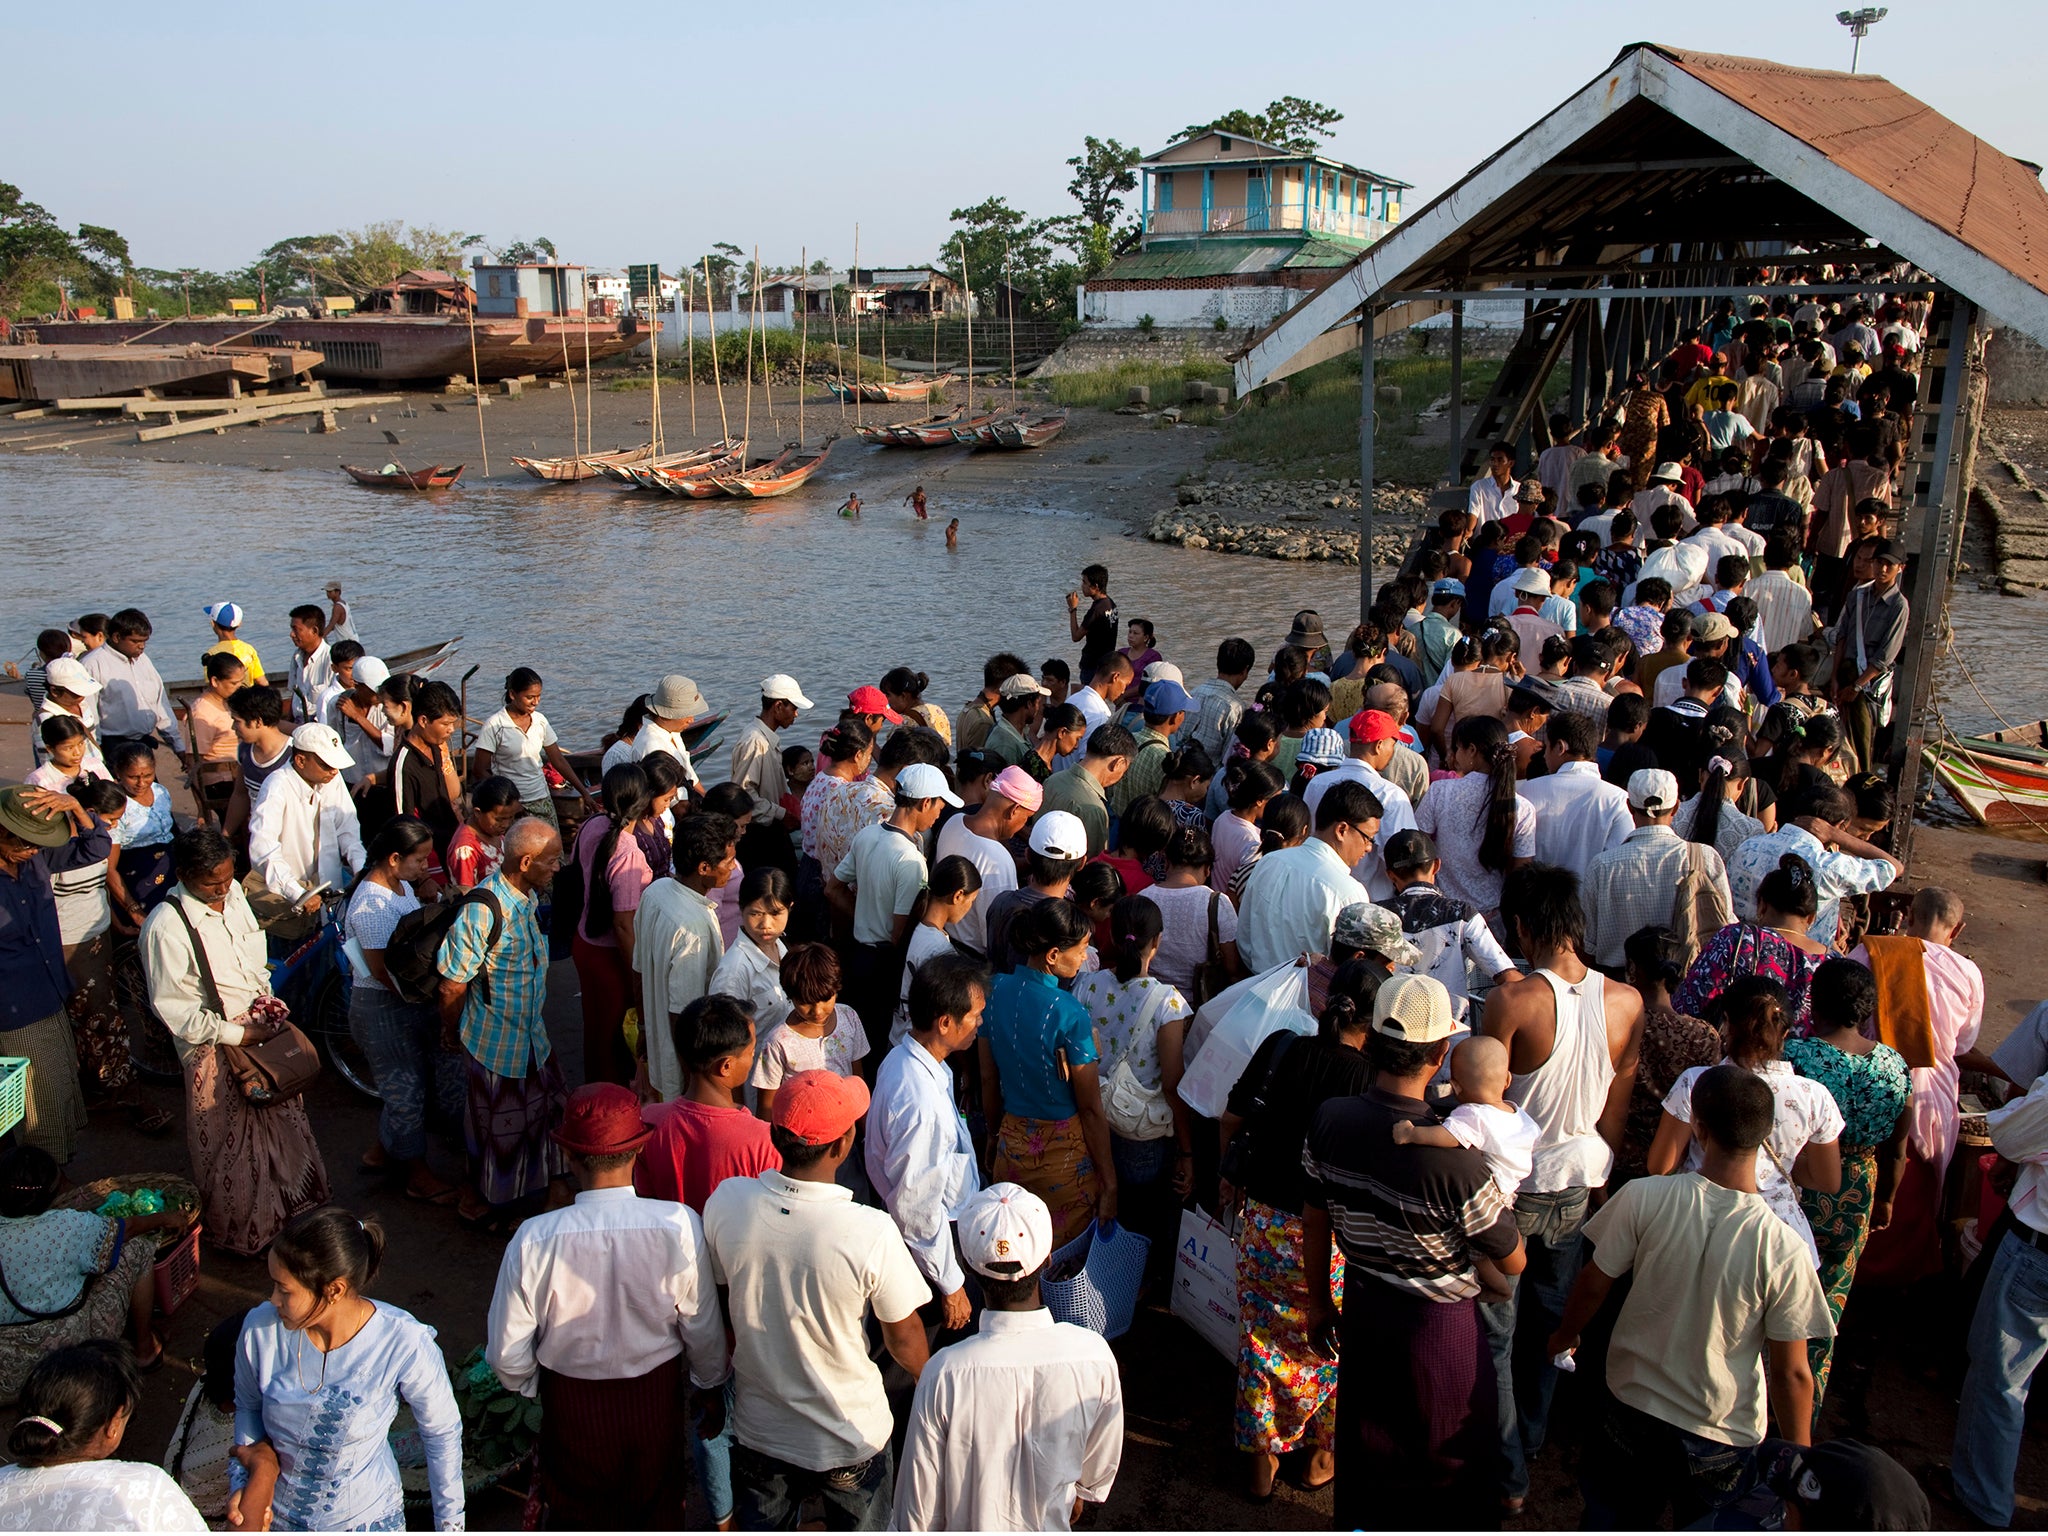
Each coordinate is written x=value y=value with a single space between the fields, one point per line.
x=877 y=883
x=672 y=707
x=803 y=1266
x=1293 y=895
x=1717 y=537
x=1784 y=607
x=1554 y=464
x=599 y=1309
x=677 y=943
x=303 y=835
x=1375 y=738
x=1662 y=491
x=1636 y=884
x=920 y=1157
x=1097 y=701
x=1578 y=814
x=757 y=755
x=1018 y=1427
x=1492 y=496
x=312 y=667
x=981 y=838
x=133 y=705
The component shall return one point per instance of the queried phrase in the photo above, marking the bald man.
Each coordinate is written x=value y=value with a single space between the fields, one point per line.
x=1405 y=770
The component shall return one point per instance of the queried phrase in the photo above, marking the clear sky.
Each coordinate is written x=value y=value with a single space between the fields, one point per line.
x=204 y=133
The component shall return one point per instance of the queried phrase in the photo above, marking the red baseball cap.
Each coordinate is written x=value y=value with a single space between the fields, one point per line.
x=869 y=701
x=819 y=1106
x=1370 y=725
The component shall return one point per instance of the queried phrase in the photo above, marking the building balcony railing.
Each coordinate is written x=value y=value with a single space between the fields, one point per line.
x=1191 y=223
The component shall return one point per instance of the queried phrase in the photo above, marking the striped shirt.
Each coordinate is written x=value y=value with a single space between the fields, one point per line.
x=505 y=1031
x=1412 y=1217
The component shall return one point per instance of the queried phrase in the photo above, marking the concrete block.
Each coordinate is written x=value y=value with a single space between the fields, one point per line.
x=1138 y=394
x=1195 y=392
x=325 y=422
x=512 y=387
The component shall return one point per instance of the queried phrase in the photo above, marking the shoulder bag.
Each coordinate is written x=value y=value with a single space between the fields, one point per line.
x=1135 y=1112
x=1211 y=976
x=1236 y=1163
x=271 y=1071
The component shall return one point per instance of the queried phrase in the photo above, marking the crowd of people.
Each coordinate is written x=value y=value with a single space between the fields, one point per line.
x=1619 y=1074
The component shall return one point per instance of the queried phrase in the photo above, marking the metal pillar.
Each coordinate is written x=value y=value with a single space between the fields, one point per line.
x=1454 y=476
x=1940 y=531
x=1367 y=418
x=1582 y=340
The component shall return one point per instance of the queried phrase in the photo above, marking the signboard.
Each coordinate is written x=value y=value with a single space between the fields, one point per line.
x=644 y=283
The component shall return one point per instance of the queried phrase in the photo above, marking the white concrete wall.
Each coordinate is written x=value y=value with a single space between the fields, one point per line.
x=1120 y=309
x=675 y=327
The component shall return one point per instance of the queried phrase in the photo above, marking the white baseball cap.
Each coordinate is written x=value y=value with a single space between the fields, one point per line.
x=322 y=743
x=783 y=686
x=921 y=781
x=1162 y=672
x=226 y=615
x=1058 y=835
x=1654 y=790
x=371 y=672
x=68 y=673
x=1005 y=1232
x=1022 y=685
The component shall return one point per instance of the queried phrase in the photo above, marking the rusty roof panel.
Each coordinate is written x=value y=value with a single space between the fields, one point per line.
x=1901 y=146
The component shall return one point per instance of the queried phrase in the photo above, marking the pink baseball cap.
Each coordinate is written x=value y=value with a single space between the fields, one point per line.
x=819 y=1107
x=1019 y=788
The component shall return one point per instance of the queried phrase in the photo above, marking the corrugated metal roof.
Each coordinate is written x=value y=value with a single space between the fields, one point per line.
x=1208 y=258
x=1901 y=146
x=1323 y=253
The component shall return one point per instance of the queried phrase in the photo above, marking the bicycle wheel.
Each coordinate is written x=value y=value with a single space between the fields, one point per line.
x=329 y=1026
x=150 y=1046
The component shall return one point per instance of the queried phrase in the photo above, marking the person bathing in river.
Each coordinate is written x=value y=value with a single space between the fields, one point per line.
x=915 y=501
x=953 y=534
x=851 y=506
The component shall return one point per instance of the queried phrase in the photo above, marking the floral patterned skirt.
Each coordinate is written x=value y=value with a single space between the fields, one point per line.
x=1286 y=1392
x=96 y=1019
x=1049 y=1158
x=1841 y=1226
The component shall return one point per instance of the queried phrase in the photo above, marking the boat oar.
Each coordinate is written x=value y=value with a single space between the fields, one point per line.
x=462 y=765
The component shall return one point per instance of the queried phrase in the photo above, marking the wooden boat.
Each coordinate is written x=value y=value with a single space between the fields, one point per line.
x=2024 y=743
x=1996 y=792
x=643 y=474
x=874 y=437
x=893 y=434
x=770 y=481
x=902 y=392
x=699 y=740
x=1012 y=436
x=420 y=661
x=932 y=435
x=702 y=482
x=984 y=436
x=392 y=478
x=586 y=466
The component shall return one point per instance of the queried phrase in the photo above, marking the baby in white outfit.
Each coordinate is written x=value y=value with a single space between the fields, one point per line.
x=1501 y=1132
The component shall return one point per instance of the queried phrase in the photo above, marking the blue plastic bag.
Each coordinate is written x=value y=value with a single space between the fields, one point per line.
x=1103 y=1295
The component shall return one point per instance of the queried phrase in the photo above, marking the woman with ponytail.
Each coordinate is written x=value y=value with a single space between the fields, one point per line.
x=75 y=1410
x=615 y=874
x=1482 y=666
x=1774 y=946
x=319 y=1374
x=1247 y=786
x=1286 y=1390
x=1713 y=818
x=1481 y=826
x=831 y=816
x=1283 y=824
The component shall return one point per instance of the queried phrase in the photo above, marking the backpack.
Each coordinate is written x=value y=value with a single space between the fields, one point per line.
x=412 y=957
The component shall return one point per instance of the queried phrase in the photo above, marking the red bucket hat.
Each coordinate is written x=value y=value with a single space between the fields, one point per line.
x=602 y=1120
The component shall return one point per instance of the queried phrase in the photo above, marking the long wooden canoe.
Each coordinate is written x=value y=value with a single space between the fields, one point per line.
x=901 y=392
x=587 y=466
x=646 y=475
x=984 y=435
x=1991 y=791
x=432 y=478
x=772 y=480
x=707 y=481
x=419 y=661
x=1012 y=436
x=935 y=435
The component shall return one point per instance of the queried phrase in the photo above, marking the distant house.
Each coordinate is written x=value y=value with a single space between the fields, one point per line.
x=427 y=291
x=907 y=292
x=528 y=288
x=1234 y=229
x=807 y=291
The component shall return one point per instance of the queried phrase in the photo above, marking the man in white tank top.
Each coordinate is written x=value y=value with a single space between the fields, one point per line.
x=1572 y=1037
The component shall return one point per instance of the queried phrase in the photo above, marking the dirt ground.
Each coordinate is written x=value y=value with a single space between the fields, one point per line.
x=1104 y=465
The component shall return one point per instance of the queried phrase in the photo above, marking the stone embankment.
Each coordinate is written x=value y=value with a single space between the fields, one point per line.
x=1290 y=519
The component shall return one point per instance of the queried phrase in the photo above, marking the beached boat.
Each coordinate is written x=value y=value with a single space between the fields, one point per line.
x=643 y=473
x=896 y=434
x=984 y=434
x=587 y=466
x=702 y=482
x=1011 y=436
x=902 y=392
x=392 y=478
x=2024 y=743
x=419 y=661
x=936 y=434
x=779 y=479
x=1996 y=791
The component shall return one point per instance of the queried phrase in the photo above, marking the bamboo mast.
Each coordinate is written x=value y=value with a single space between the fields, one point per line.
x=964 y=283
x=711 y=329
x=689 y=315
x=653 y=356
x=1010 y=302
x=747 y=431
x=931 y=302
x=569 y=373
x=589 y=421
x=767 y=372
x=476 y=384
x=840 y=353
x=853 y=304
x=803 y=344
x=883 y=322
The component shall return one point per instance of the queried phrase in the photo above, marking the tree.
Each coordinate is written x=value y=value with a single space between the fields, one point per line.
x=726 y=261
x=104 y=255
x=1103 y=172
x=355 y=261
x=540 y=248
x=1289 y=123
x=33 y=247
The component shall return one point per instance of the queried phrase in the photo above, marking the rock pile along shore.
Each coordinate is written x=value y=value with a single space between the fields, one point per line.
x=1291 y=519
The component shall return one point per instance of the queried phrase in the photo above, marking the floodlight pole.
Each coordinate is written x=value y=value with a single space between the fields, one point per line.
x=1859 y=23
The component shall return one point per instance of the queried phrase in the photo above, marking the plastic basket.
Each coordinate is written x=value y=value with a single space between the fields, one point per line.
x=1102 y=1294
x=177 y=1272
x=13 y=1092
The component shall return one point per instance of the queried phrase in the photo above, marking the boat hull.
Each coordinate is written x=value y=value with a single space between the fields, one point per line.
x=1993 y=798
x=432 y=478
x=901 y=392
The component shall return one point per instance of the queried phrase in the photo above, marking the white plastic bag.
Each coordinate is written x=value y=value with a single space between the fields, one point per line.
x=1244 y=1016
x=1205 y=1281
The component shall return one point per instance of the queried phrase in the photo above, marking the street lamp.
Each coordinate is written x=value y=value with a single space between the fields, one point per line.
x=1859 y=23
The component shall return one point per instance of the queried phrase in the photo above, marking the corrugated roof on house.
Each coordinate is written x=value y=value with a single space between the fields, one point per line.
x=1222 y=258
x=1899 y=145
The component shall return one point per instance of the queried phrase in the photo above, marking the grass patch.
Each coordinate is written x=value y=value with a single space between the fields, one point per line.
x=1107 y=388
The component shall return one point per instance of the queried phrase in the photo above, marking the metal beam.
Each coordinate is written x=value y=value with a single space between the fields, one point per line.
x=1368 y=416
x=1703 y=291
x=1636 y=167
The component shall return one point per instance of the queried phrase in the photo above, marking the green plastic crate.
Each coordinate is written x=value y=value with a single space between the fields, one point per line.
x=13 y=1092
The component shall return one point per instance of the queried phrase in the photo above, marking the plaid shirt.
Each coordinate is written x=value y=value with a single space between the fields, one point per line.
x=506 y=1033
x=1146 y=773
x=1214 y=720
x=1636 y=885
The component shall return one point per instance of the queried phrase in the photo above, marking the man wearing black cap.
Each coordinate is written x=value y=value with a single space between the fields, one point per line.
x=1867 y=642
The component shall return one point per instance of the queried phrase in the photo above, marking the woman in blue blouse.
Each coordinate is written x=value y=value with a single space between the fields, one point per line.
x=1039 y=1084
x=319 y=1373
